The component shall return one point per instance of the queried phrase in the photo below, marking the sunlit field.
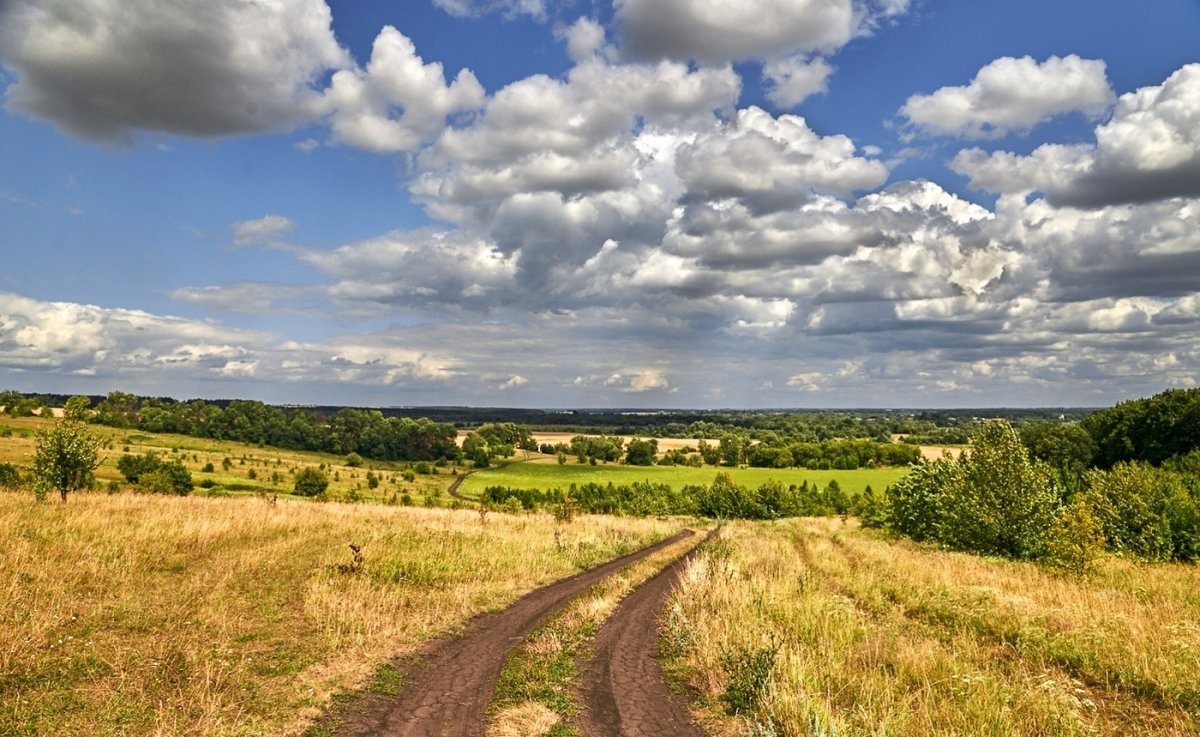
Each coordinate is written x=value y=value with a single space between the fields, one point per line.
x=239 y=468
x=817 y=627
x=547 y=476
x=135 y=614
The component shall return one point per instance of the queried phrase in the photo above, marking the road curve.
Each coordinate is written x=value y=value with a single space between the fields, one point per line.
x=448 y=688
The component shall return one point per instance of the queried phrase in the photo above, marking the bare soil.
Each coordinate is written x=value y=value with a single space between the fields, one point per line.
x=623 y=688
x=448 y=686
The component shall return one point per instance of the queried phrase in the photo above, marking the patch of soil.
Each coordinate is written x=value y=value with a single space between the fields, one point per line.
x=448 y=686
x=623 y=688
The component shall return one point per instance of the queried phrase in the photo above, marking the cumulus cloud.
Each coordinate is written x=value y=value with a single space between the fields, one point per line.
x=104 y=69
x=772 y=162
x=425 y=268
x=1149 y=150
x=790 y=81
x=398 y=101
x=1012 y=95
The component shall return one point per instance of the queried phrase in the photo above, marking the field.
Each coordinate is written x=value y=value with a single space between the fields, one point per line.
x=154 y=615
x=238 y=468
x=817 y=627
x=231 y=612
x=550 y=475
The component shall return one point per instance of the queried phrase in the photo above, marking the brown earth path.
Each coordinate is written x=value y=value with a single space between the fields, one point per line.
x=623 y=688
x=448 y=687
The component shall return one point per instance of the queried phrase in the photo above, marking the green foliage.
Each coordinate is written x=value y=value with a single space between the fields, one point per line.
x=641 y=452
x=311 y=482
x=748 y=674
x=133 y=467
x=915 y=501
x=1148 y=512
x=995 y=500
x=10 y=476
x=1005 y=503
x=170 y=477
x=1151 y=430
x=353 y=460
x=1076 y=537
x=65 y=456
x=78 y=409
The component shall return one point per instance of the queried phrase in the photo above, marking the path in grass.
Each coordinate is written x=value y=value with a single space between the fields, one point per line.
x=623 y=686
x=447 y=689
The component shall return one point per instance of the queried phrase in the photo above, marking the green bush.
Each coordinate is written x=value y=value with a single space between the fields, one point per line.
x=311 y=482
x=1148 y=512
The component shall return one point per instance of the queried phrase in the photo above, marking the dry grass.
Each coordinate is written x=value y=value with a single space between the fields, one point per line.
x=876 y=637
x=142 y=615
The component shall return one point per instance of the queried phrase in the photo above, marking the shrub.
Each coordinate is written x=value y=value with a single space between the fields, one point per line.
x=10 y=477
x=168 y=478
x=1076 y=537
x=1148 y=512
x=311 y=482
x=354 y=460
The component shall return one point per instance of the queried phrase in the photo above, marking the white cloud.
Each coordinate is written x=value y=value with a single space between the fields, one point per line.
x=790 y=81
x=1012 y=95
x=779 y=160
x=513 y=382
x=363 y=103
x=476 y=8
x=104 y=69
x=267 y=229
x=1149 y=150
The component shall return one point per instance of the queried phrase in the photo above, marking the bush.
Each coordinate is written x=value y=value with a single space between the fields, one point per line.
x=1076 y=537
x=10 y=477
x=1147 y=512
x=168 y=478
x=311 y=482
x=354 y=460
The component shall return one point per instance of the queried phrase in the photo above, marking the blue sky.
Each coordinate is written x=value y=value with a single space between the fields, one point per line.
x=658 y=203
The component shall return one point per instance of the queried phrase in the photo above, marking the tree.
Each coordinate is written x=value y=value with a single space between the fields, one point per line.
x=78 y=409
x=311 y=482
x=64 y=458
x=641 y=452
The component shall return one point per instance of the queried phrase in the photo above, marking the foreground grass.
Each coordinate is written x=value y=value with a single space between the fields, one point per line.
x=141 y=615
x=816 y=627
x=539 y=475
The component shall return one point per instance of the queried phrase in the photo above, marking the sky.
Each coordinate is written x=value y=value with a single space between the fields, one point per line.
x=595 y=203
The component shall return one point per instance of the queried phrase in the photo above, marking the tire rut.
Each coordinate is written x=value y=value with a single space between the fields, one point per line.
x=449 y=685
x=623 y=688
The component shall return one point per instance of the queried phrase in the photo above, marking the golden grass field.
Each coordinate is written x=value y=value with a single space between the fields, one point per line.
x=878 y=637
x=133 y=614
x=151 y=615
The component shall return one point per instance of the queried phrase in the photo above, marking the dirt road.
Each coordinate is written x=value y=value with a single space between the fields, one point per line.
x=447 y=688
x=623 y=687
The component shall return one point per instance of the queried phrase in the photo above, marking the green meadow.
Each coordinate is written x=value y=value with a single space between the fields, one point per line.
x=539 y=475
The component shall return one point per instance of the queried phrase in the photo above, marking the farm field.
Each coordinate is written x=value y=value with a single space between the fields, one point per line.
x=817 y=627
x=549 y=475
x=137 y=614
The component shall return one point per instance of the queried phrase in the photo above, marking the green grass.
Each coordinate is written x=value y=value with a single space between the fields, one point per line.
x=551 y=475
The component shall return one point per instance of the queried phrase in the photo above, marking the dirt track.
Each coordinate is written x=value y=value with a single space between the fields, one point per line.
x=448 y=687
x=623 y=688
